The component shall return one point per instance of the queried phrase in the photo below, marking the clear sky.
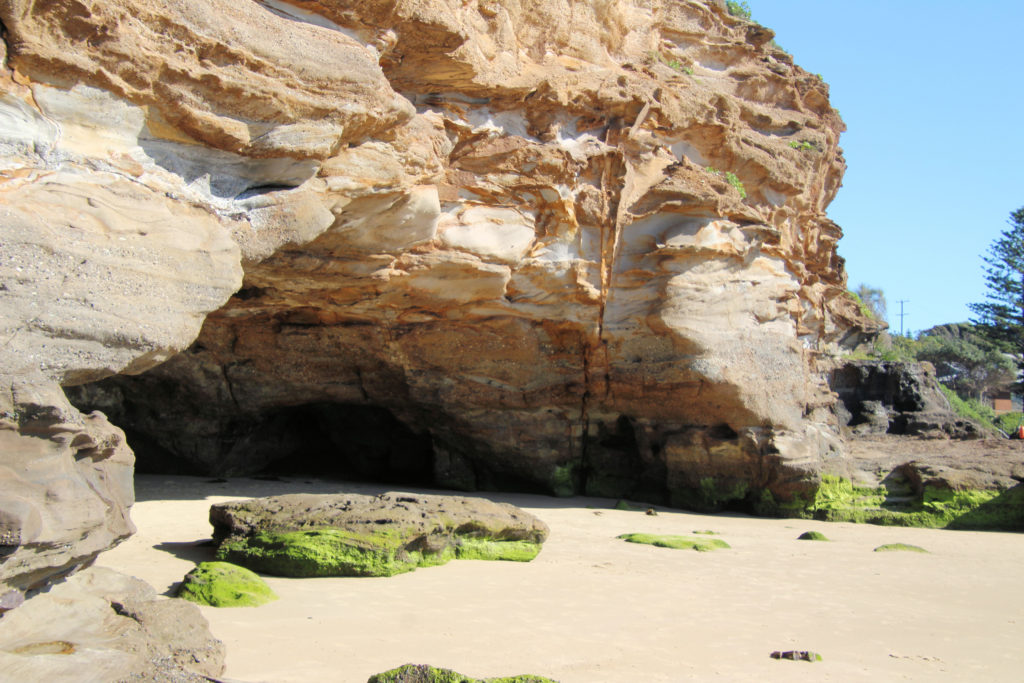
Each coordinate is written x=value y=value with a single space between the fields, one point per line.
x=932 y=93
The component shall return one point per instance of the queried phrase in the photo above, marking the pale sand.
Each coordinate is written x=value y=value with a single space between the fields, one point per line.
x=595 y=609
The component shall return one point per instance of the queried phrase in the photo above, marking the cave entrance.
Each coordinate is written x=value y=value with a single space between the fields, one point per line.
x=178 y=434
x=367 y=443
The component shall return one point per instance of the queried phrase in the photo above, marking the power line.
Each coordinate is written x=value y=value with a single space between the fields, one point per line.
x=902 y=314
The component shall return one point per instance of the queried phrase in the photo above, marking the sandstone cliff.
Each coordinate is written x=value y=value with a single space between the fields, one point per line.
x=569 y=246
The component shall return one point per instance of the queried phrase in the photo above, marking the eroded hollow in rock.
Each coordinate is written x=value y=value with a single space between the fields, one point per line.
x=360 y=442
x=322 y=439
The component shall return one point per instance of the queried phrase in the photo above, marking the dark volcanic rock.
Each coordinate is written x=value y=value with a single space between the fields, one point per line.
x=357 y=535
x=878 y=397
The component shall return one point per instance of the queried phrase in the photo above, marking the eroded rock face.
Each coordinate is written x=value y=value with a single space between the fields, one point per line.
x=594 y=259
x=887 y=397
x=65 y=489
x=564 y=246
x=136 y=152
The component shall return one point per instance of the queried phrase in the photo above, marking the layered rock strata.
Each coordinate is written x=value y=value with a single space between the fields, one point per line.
x=591 y=256
x=572 y=247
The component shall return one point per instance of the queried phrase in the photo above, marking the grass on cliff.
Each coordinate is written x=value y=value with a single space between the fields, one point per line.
x=970 y=409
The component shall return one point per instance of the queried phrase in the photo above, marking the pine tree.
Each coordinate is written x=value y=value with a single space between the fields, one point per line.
x=1001 y=317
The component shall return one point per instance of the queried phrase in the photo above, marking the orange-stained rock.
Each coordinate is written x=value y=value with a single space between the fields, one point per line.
x=570 y=246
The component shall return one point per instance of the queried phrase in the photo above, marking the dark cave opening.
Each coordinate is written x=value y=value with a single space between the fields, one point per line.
x=172 y=435
x=337 y=440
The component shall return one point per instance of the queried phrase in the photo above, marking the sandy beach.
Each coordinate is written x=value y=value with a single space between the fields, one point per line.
x=592 y=608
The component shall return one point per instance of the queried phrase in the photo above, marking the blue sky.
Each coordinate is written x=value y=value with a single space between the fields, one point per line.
x=932 y=93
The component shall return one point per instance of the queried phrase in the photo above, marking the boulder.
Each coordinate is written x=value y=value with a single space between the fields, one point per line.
x=222 y=584
x=65 y=488
x=100 y=625
x=890 y=397
x=356 y=535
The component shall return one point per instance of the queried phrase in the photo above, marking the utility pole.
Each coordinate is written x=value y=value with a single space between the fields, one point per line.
x=901 y=302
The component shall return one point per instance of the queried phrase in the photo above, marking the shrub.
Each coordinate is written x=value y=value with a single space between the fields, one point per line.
x=738 y=8
x=970 y=408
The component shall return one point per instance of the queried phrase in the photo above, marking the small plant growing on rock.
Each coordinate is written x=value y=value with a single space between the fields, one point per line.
x=673 y=64
x=803 y=145
x=731 y=178
x=738 y=8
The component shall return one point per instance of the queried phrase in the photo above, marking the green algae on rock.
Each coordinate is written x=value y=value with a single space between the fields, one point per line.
x=905 y=547
x=351 y=535
x=222 y=584
x=483 y=549
x=422 y=673
x=812 y=536
x=935 y=506
x=676 y=542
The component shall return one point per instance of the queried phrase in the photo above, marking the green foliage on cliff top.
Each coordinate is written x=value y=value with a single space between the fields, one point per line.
x=738 y=8
x=222 y=584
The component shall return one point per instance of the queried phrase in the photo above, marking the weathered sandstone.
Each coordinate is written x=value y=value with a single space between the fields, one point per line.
x=572 y=246
x=100 y=625
x=543 y=278
x=357 y=535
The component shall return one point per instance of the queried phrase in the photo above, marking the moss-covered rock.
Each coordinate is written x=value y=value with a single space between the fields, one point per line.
x=421 y=673
x=383 y=535
x=483 y=549
x=222 y=584
x=676 y=542
x=899 y=547
x=812 y=536
x=935 y=506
